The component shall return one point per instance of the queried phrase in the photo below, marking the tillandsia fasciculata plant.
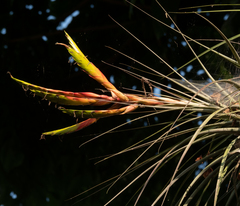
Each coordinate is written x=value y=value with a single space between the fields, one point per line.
x=218 y=101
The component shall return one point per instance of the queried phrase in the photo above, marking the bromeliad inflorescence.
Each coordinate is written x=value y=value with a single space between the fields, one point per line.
x=218 y=100
x=117 y=98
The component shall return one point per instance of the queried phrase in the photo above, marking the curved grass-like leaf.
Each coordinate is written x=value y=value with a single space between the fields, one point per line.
x=223 y=169
x=233 y=50
x=208 y=49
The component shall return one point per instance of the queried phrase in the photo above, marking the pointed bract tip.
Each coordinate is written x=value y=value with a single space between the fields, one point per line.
x=61 y=44
x=67 y=35
x=42 y=137
x=8 y=72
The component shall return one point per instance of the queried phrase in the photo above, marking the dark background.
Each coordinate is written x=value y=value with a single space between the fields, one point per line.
x=48 y=172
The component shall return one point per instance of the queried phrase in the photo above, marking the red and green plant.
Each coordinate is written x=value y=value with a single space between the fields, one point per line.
x=220 y=123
